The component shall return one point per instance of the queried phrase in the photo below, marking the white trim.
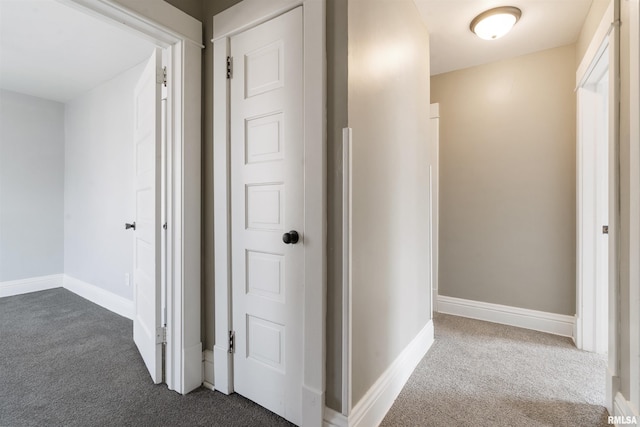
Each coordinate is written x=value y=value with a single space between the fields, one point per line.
x=557 y=324
x=334 y=419
x=181 y=34
x=238 y=18
x=207 y=369
x=590 y=330
x=159 y=21
x=248 y=14
x=315 y=211
x=613 y=353
x=32 y=284
x=434 y=204
x=192 y=374
x=222 y=371
x=374 y=405
x=99 y=296
x=434 y=110
x=634 y=203
x=591 y=245
x=595 y=48
x=347 y=255
x=223 y=364
x=623 y=408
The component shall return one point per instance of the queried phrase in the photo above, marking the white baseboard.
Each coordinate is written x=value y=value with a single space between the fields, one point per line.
x=96 y=295
x=374 y=405
x=207 y=368
x=334 y=419
x=557 y=324
x=192 y=362
x=33 y=284
x=223 y=378
x=377 y=401
x=624 y=413
x=312 y=406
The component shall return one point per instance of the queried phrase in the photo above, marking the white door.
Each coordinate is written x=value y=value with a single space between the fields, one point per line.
x=267 y=157
x=602 y=215
x=146 y=322
x=593 y=208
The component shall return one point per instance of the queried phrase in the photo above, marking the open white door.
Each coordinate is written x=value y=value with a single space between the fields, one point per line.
x=147 y=332
x=267 y=158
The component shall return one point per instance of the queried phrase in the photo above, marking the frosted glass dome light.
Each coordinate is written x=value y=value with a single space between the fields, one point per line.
x=495 y=23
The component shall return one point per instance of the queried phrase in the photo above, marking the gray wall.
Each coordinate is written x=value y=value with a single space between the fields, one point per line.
x=389 y=114
x=31 y=186
x=99 y=184
x=337 y=115
x=507 y=181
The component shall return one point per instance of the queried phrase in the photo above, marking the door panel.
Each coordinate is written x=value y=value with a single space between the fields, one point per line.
x=267 y=200
x=147 y=233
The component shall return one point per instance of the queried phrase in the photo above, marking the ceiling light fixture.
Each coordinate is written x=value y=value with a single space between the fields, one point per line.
x=495 y=23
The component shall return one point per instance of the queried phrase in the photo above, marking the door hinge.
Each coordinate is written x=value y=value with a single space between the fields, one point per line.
x=164 y=226
x=605 y=229
x=232 y=342
x=229 y=67
x=161 y=76
x=161 y=335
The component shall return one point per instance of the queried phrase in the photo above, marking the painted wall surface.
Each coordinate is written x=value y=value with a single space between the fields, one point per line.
x=337 y=119
x=31 y=186
x=193 y=8
x=99 y=184
x=507 y=188
x=389 y=114
x=591 y=22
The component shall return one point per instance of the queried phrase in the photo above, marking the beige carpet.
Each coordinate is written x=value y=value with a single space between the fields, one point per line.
x=484 y=374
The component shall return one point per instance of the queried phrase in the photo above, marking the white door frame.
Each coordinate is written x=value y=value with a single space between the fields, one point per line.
x=181 y=36
x=234 y=20
x=606 y=36
x=634 y=202
x=592 y=161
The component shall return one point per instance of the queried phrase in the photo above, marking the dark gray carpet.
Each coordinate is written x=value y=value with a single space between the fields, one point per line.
x=65 y=361
x=485 y=374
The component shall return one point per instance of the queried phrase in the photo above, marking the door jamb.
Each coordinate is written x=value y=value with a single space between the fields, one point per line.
x=234 y=20
x=634 y=191
x=181 y=35
x=589 y=319
x=608 y=32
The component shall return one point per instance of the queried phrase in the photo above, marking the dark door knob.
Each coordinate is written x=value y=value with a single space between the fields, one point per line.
x=128 y=226
x=291 y=238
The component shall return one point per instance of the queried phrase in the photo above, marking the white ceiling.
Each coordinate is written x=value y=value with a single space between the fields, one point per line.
x=544 y=24
x=53 y=51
